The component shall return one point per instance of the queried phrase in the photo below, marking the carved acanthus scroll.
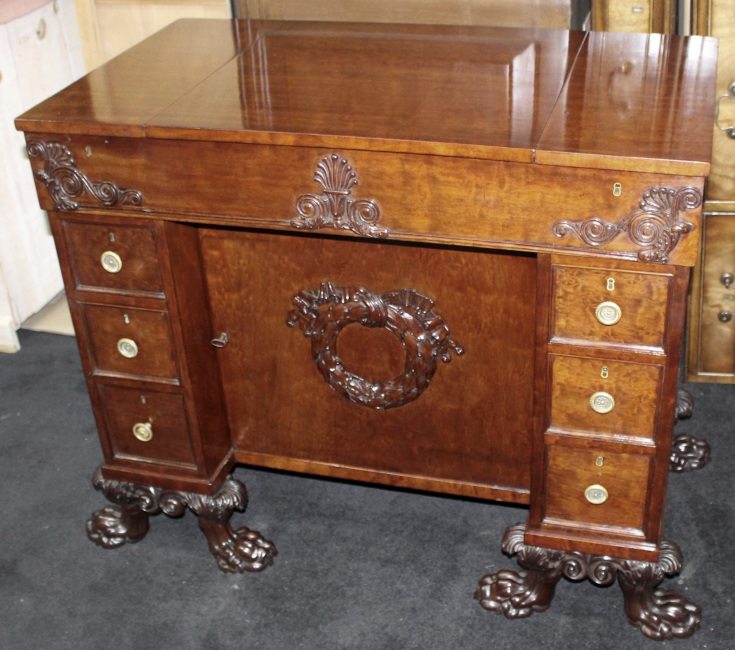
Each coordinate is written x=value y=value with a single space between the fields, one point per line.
x=656 y=225
x=65 y=182
x=334 y=208
x=406 y=313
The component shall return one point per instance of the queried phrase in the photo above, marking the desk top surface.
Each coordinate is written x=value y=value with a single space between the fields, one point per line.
x=637 y=102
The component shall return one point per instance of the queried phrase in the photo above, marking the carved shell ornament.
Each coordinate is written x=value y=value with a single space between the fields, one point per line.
x=656 y=225
x=334 y=208
x=322 y=314
x=65 y=182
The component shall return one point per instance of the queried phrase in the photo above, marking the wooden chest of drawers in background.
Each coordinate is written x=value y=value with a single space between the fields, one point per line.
x=711 y=328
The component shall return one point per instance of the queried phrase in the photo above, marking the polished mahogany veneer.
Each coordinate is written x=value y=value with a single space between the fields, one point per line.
x=444 y=258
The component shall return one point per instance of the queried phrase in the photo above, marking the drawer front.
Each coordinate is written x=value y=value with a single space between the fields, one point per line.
x=712 y=326
x=147 y=426
x=129 y=341
x=602 y=396
x=459 y=192
x=114 y=257
x=588 y=486
x=606 y=306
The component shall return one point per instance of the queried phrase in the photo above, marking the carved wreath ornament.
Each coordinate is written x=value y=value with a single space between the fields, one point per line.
x=65 y=182
x=656 y=225
x=323 y=314
x=334 y=208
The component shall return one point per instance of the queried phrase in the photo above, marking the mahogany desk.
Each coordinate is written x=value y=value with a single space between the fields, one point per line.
x=443 y=258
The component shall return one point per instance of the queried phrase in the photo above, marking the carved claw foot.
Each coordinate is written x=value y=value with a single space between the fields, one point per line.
x=519 y=594
x=659 y=614
x=235 y=550
x=688 y=453
x=113 y=526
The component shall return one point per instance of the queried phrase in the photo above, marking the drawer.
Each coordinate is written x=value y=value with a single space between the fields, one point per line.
x=712 y=321
x=146 y=426
x=606 y=306
x=625 y=396
x=129 y=341
x=114 y=257
x=588 y=486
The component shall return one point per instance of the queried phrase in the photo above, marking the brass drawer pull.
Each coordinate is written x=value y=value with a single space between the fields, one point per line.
x=608 y=313
x=127 y=348
x=111 y=262
x=730 y=130
x=602 y=402
x=596 y=494
x=143 y=431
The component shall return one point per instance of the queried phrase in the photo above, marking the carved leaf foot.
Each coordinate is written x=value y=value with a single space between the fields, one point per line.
x=688 y=453
x=684 y=404
x=235 y=550
x=659 y=614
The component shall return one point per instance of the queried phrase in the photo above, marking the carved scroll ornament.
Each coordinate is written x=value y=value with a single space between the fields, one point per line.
x=406 y=313
x=656 y=225
x=65 y=182
x=334 y=208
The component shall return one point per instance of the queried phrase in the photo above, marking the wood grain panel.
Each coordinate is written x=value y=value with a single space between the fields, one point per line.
x=170 y=444
x=140 y=272
x=472 y=424
x=634 y=387
x=642 y=298
x=106 y=325
x=463 y=200
x=712 y=336
x=624 y=476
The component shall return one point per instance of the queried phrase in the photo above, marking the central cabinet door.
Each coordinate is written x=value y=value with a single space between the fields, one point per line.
x=412 y=365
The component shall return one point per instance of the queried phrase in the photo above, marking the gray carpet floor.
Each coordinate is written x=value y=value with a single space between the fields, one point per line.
x=359 y=566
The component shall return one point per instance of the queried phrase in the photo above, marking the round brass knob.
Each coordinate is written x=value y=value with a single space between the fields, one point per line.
x=111 y=262
x=608 y=313
x=143 y=431
x=602 y=402
x=596 y=494
x=724 y=316
x=128 y=348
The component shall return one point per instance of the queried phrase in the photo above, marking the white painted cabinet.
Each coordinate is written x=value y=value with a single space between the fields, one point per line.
x=40 y=53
